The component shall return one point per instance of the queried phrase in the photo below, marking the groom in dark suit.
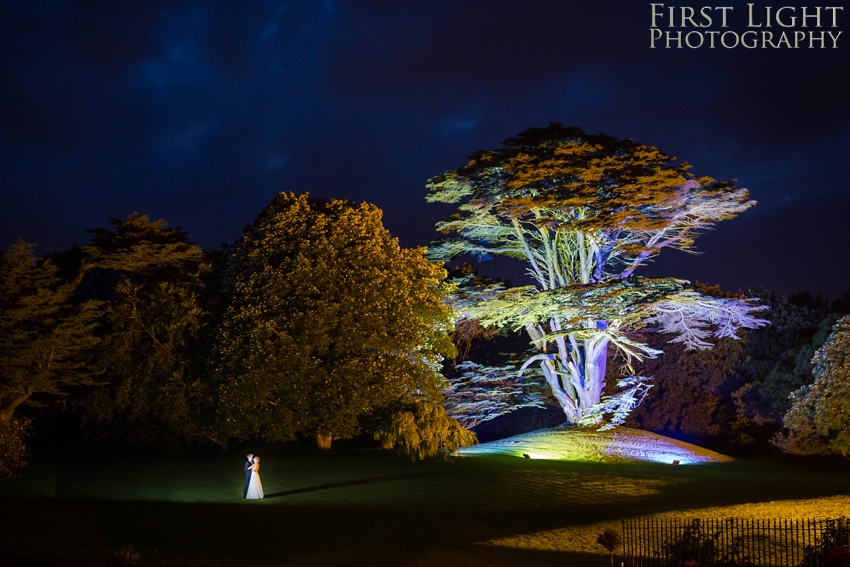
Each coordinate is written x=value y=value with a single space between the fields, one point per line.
x=248 y=465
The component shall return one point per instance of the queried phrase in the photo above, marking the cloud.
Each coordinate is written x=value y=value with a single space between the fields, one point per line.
x=458 y=125
x=268 y=31
x=276 y=160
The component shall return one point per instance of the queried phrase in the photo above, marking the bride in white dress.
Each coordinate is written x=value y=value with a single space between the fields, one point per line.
x=255 y=487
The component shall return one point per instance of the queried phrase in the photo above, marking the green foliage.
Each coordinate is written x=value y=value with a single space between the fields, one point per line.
x=777 y=359
x=469 y=331
x=691 y=393
x=819 y=418
x=152 y=355
x=423 y=431
x=152 y=360
x=13 y=449
x=584 y=212
x=329 y=321
x=46 y=337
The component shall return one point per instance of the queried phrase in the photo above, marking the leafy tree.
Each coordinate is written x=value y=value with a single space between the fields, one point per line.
x=45 y=337
x=152 y=355
x=423 y=430
x=777 y=359
x=329 y=321
x=584 y=212
x=819 y=418
x=692 y=390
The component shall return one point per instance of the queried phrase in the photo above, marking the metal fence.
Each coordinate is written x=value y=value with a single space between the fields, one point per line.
x=736 y=542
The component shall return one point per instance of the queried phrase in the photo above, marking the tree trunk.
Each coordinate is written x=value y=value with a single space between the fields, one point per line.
x=8 y=410
x=580 y=387
x=323 y=441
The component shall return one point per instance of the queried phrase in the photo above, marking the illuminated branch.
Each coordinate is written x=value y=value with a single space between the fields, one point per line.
x=483 y=393
x=633 y=389
x=693 y=317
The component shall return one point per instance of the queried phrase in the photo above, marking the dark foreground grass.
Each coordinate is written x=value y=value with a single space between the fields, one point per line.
x=355 y=507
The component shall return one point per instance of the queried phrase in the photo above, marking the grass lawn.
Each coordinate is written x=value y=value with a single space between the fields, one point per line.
x=363 y=507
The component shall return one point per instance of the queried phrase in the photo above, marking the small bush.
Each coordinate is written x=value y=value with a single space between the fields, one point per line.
x=12 y=446
x=124 y=557
x=832 y=548
x=697 y=546
x=610 y=540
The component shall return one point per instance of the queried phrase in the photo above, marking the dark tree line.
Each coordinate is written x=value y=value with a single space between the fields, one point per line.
x=737 y=395
x=315 y=323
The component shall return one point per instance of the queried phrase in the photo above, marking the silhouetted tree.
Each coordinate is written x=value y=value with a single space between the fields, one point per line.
x=610 y=540
x=777 y=359
x=152 y=356
x=46 y=339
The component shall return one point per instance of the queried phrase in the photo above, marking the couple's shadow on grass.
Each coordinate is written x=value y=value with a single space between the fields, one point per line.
x=371 y=480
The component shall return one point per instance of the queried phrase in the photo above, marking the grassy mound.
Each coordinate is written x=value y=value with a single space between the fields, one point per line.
x=618 y=445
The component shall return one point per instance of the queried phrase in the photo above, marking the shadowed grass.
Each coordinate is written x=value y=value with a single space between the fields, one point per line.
x=362 y=507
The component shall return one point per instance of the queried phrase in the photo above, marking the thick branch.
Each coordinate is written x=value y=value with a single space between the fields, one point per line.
x=8 y=410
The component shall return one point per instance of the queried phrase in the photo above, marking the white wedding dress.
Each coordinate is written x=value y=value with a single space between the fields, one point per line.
x=255 y=487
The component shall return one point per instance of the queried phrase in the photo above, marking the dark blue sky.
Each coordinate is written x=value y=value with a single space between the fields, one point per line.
x=198 y=112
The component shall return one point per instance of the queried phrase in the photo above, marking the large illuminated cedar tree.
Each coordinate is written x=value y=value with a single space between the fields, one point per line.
x=584 y=212
x=151 y=358
x=330 y=322
x=819 y=418
x=46 y=338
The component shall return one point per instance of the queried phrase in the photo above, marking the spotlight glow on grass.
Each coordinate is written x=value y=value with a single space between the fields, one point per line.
x=542 y=455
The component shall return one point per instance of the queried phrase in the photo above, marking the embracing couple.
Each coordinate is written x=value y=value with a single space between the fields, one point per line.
x=253 y=486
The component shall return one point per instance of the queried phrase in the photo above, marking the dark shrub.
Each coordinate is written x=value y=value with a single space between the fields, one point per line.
x=124 y=557
x=12 y=447
x=832 y=548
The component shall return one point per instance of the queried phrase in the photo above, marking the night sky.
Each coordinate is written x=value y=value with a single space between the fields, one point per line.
x=199 y=112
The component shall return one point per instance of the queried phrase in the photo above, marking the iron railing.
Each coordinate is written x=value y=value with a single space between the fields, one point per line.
x=736 y=542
